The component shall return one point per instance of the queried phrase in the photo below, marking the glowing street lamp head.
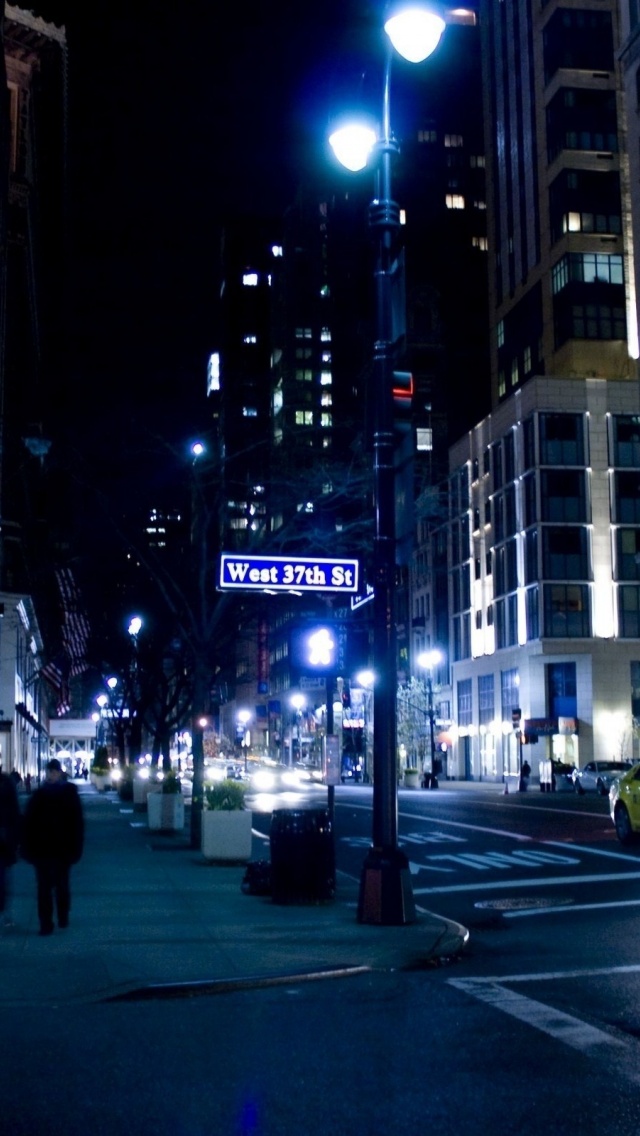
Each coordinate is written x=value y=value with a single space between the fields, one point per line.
x=321 y=648
x=352 y=145
x=415 y=31
x=135 y=625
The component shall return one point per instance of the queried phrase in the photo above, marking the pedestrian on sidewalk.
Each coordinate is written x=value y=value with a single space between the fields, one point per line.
x=52 y=840
x=9 y=838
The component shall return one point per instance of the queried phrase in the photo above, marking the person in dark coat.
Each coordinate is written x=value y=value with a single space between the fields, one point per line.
x=52 y=840
x=9 y=836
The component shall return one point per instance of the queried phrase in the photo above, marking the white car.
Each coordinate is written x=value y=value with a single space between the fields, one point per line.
x=597 y=776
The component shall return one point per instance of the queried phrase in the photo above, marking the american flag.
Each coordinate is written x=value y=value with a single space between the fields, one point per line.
x=72 y=658
x=75 y=625
x=56 y=673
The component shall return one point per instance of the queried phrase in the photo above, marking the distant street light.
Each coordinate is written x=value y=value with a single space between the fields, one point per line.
x=134 y=627
x=386 y=895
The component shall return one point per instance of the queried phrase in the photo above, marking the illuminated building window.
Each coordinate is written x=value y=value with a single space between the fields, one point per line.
x=326 y=356
x=453 y=140
x=249 y=412
x=326 y=442
x=304 y=418
x=276 y=250
x=479 y=204
x=303 y=333
x=454 y=201
x=325 y=420
x=250 y=339
x=304 y=375
x=304 y=352
x=325 y=335
x=424 y=438
x=325 y=379
x=477 y=161
x=250 y=279
x=480 y=243
x=427 y=136
x=326 y=399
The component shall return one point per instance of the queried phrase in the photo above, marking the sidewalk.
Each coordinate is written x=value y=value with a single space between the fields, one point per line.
x=148 y=912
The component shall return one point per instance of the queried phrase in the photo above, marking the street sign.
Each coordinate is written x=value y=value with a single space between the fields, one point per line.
x=287 y=574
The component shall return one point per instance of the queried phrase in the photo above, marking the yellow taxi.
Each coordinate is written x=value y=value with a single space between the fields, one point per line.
x=624 y=805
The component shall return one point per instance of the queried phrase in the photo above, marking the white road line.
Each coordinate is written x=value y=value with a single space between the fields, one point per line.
x=568 y=845
x=551 y=881
x=563 y=1027
x=457 y=824
x=569 y=907
x=552 y=975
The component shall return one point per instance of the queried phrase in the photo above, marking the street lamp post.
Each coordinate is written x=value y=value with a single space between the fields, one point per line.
x=386 y=896
x=429 y=660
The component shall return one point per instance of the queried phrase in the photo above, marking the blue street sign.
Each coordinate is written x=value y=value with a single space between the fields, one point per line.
x=287 y=574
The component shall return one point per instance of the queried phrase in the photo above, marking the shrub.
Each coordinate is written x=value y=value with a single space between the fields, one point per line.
x=226 y=796
x=171 y=784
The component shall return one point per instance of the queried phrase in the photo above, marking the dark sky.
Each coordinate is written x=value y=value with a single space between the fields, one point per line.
x=178 y=114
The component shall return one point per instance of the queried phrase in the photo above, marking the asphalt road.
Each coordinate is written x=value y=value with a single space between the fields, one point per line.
x=533 y=1031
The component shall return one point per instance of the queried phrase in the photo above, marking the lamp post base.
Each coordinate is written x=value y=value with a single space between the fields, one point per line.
x=386 y=897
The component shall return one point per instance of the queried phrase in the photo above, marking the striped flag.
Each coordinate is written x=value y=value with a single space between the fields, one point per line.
x=56 y=673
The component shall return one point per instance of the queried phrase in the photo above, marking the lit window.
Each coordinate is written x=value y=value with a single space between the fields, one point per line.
x=304 y=352
x=250 y=339
x=477 y=161
x=325 y=335
x=324 y=291
x=326 y=356
x=527 y=360
x=304 y=418
x=424 y=438
x=213 y=373
x=574 y=222
x=427 y=136
x=327 y=487
x=325 y=420
x=453 y=140
x=326 y=442
x=454 y=201
x=500 y=333
x=238 y=523
x=304 y=375
x=403 y=216
x=480 y=243
x=479 y=205
x=276 y=250
x=249 y=412
x=514 y=373
x=250 y=279
x=325 y=379
x=303 y=333
x=502 y=384
x=326 y=398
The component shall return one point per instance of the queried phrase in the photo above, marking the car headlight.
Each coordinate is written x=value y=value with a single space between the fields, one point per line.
x=264 y=780
x=292 y=779
x=212 y=774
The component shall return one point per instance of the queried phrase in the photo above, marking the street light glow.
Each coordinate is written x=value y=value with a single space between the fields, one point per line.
x=352 y=145
x=415 y=32
x=135 y=625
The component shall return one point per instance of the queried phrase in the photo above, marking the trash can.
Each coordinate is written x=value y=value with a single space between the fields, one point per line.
x=302 y=856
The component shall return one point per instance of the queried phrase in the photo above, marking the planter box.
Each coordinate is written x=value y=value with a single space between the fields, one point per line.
x=412 y=780
x=141 y=790
x=226 y=835
x=101 y=781
x=165 y=812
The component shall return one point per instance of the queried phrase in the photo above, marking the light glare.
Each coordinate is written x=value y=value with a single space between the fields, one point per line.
x=415 y=33
x=352 y=145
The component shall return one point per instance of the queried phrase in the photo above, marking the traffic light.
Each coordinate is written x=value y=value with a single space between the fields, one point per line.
x=403 y=387
x=314 y=649
x=346 y=697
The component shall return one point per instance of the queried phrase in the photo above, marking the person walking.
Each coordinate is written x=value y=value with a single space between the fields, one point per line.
x=9 y=838
x=52 y=840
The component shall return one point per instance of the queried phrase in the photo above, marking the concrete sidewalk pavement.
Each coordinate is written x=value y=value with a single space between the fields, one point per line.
x=150 y=918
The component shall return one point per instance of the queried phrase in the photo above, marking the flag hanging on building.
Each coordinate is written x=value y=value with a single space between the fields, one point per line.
x=71 y=660
x=75 y=626
x=56 y=674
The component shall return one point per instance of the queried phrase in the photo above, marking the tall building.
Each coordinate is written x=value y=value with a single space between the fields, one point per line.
x=543 y=526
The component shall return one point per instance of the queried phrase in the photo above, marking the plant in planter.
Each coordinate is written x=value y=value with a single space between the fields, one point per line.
x=226 y=822
x=165 y=809
x=411 y=777
x=125 y=784
x=100 y=772
x=171 y=784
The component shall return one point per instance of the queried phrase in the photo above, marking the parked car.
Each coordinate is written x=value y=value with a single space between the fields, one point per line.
x=556 y=776
x=597 y=776
x=624 y=804
x=350 y=770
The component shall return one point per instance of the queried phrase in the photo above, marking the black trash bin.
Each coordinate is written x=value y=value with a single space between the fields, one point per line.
x=302 y=856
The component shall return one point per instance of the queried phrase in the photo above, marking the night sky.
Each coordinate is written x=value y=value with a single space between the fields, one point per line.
x=177 y=116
